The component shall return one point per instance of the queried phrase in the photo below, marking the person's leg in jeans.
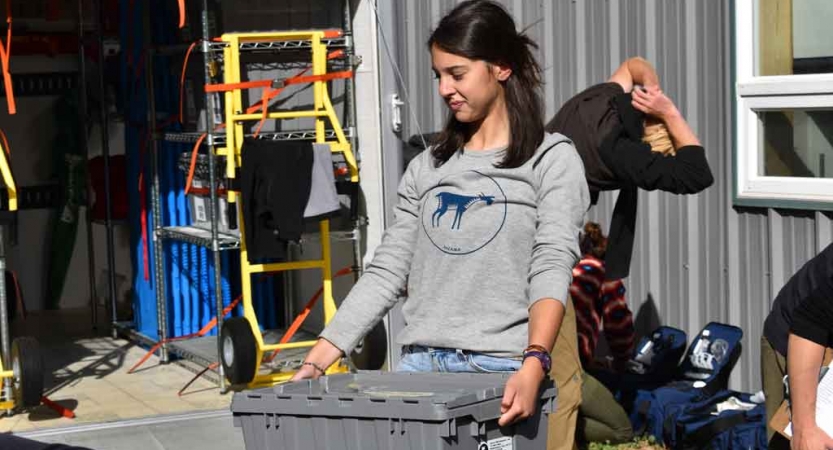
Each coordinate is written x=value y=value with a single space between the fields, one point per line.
x=773 y=369
x=566 y=372
x=416 y=359
x=601 y=417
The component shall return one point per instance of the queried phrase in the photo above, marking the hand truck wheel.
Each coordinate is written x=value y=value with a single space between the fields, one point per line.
x=239 y=353
x=27 y=365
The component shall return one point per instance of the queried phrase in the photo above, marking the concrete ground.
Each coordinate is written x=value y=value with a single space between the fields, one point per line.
x=88 y=374
x=204 y=431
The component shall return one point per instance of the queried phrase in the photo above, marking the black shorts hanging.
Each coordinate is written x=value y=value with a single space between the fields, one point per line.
x=275 y=183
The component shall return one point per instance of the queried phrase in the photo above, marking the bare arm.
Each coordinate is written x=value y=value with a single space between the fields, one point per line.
x=804 y=359
x=545 y=318
x=521 y=395
x=636 y=70
x=323 y=354
x=653 y=102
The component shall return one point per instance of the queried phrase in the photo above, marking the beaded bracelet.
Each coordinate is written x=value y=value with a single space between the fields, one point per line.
x=315 y=366
x=536 y=347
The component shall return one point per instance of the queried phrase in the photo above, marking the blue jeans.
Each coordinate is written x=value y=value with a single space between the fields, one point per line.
x=416 y=358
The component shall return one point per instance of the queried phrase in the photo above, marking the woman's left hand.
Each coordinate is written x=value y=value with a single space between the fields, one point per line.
x=520 y=397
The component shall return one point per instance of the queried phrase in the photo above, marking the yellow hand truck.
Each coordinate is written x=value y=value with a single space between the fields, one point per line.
x=242 y=343
x=21 y=363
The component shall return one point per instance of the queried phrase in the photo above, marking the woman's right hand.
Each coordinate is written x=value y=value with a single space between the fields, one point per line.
x=653 y=102
x=306 y=372
x=811 y=438
x=323 y=354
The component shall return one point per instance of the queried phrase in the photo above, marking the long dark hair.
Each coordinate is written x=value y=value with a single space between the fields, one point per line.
x=483 y=30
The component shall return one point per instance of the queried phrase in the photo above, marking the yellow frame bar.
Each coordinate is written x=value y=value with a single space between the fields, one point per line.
x=279 y=115
x=296 y=35
x=5 y=373
x=288 y=345
x=6 y=172
x=294 y=265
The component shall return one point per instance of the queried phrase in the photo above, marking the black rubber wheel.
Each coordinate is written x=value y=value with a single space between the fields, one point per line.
x=27 y=365
x=239 y=353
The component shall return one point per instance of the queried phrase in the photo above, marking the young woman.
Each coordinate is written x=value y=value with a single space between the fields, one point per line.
x=486 y=228
x=630 y=135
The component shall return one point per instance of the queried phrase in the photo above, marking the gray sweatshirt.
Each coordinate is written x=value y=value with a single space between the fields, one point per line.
x=473 y=247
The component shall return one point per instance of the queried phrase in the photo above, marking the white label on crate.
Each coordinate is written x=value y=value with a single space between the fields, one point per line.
x=501 y=443
x=201 y=215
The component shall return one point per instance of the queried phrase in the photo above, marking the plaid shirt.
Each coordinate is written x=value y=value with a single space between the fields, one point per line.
x=600 y=305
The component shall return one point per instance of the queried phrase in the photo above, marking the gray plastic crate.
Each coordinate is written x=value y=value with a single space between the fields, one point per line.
x=383 y=410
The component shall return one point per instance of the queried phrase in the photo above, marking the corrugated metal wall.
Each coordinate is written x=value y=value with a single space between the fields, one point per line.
x=696 y=258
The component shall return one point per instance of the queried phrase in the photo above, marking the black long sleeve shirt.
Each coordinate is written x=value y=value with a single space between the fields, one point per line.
x=634 y=164
x=804 y=306
x=607 y=131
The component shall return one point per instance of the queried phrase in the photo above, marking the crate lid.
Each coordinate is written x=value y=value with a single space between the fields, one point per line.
x=425 y=396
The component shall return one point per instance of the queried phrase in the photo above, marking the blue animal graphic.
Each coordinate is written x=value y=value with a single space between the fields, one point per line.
x=460 y=203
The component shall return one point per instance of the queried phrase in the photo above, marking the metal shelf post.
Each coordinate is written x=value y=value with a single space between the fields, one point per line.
x=105 y=152
x=156 y=199
x=214 y=206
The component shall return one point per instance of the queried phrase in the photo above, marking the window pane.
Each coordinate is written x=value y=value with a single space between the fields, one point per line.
x=795 y=37
x=797 y=143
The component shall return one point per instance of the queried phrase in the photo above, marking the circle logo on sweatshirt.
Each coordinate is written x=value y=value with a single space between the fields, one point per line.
x=464 y=212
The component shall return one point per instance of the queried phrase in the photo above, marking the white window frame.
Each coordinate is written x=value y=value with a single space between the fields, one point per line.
x=754 y=94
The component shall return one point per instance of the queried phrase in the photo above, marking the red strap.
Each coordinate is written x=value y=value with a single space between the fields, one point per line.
x=205 y=369
x=143 y=214
x=181 y=13
x=182 y=78
x=5 y=144
x=21 y=305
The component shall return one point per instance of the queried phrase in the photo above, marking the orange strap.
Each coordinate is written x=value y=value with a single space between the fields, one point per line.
x=299 y=320
x=257 y=106
x=5 y=53
x=205 y=369
x=203 y=331
x=269 y=93
x=181 y=13
x=63 y=411
x=325 y=77
x=264 y=99
x=223 y=87
x=193 y=164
